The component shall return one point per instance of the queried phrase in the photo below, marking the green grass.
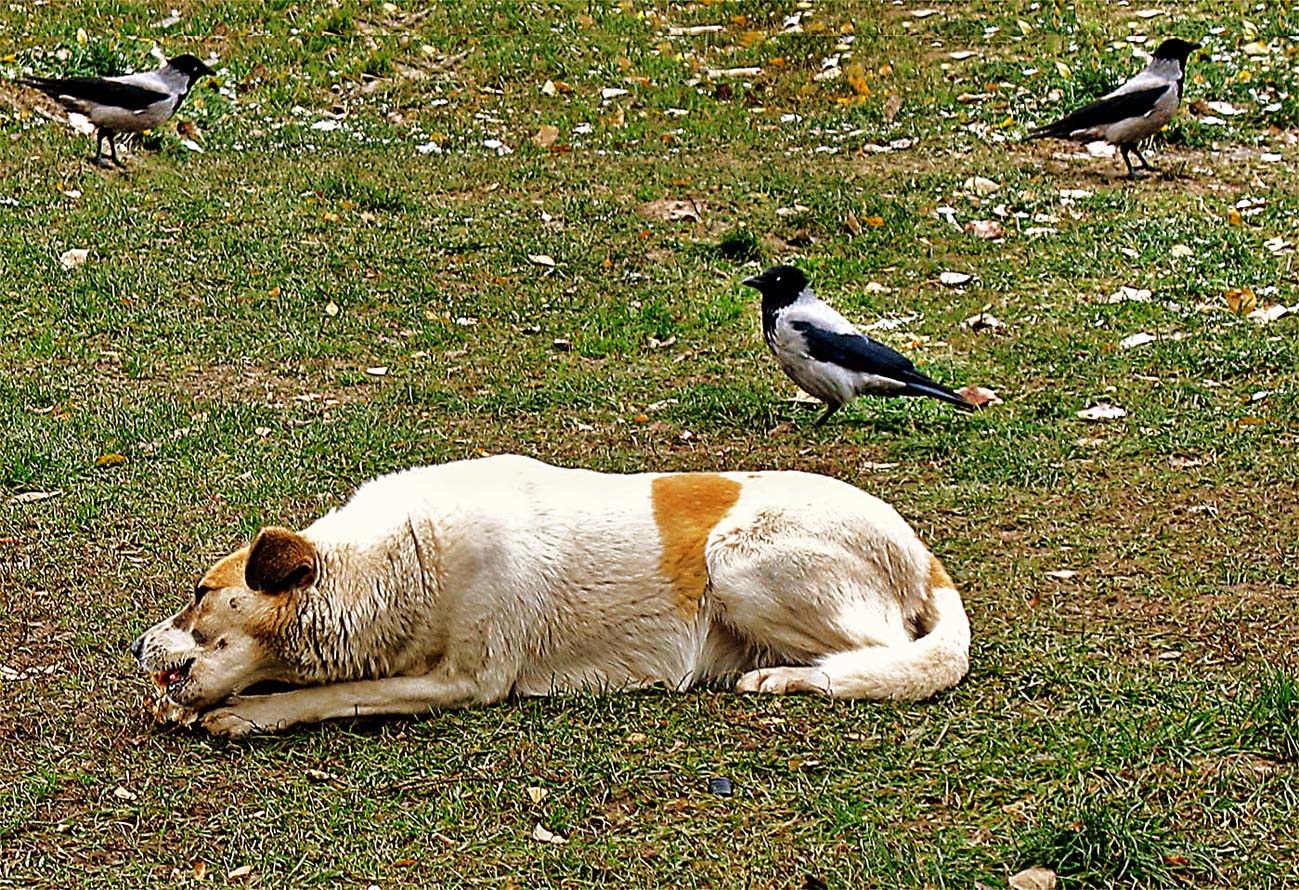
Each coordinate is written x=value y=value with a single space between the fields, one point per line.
x=205 y=373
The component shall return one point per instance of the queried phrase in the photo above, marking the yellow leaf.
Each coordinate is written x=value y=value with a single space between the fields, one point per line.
x=856 y=77
x=112 y=459
x=750 y=39
x=874 y=221
x=1234 y=218
x=1241 y=300
x=546 y=136
x=330 y=216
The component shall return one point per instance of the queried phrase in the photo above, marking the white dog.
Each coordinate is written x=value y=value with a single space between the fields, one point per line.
x=464 y=583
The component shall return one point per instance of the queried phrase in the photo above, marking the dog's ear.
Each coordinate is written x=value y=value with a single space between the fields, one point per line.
x=280 y=560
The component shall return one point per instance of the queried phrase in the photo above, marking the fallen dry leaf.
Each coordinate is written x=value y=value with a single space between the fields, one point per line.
x=1270 y=313
x=545 y=136
x=1062 y=574
x=31 y=497
x=1102 y=411
x=671 y=210
x=1241 y=300
x=981 y=185
x=954 y=279
x=979 y=396
x=546 y=836
x=542 y=259
x=74 y=257
x=1135 y=340
x=892 y=105
x=238 y=874
x=986 y=229
x=536 y=794
x=1033 y=879
x=982 y=321
x=112 y=459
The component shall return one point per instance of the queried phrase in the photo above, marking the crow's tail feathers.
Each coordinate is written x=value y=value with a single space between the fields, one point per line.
x=930 y=389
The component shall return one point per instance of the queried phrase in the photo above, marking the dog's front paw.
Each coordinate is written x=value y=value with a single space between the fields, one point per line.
x=226 y=723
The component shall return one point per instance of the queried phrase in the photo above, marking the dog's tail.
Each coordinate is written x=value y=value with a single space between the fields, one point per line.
x=915 y=670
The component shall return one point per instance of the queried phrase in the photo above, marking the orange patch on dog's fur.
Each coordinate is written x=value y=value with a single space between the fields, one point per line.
x=686 y=508
x=228 y=571
x=938 y=576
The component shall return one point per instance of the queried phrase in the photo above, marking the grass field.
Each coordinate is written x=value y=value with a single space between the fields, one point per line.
x=416 y=235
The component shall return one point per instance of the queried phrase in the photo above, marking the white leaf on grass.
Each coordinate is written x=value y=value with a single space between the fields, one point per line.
x=1127 y=294
x=981 y=185
x=924 y=13
x=74 y=257
x=954 y=279
x=122 y=793
x=542 y=259
x=1271 y=312
x=1135 y=340
x=1033 y=879
x=1062 y=574
x=31 y=497
x=377 y=371
x=1180 y=251
x=1102 y=411
x=546 y=836
x=238 y=874
x=536 y=794
x=983 y=321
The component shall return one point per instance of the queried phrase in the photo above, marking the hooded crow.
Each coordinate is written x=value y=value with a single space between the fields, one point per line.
x=1133 y=112
x=824 y=354
x=126 y=104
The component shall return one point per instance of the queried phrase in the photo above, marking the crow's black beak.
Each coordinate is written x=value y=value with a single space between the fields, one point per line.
x=754 y=281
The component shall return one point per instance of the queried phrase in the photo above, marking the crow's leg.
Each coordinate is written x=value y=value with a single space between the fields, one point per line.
x=99 y=147
x=830 y=408
x=1145 y=166
x=112 y=147
x=1123 y=150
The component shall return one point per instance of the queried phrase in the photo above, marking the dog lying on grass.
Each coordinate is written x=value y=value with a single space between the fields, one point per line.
x=464 y=583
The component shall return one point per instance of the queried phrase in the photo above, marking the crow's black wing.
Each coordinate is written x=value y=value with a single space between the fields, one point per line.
x=1103 y=112
x=861 y=354
x=97 y=90
x=856 y=352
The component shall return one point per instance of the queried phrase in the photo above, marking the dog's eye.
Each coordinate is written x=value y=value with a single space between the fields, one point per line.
x=200 y=590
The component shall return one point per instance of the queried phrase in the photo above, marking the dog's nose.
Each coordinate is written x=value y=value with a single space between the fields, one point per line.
x=137 y=647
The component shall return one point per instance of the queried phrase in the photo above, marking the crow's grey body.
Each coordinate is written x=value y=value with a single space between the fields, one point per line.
x=826 y=355
x=1133 y=112
x=126 y=104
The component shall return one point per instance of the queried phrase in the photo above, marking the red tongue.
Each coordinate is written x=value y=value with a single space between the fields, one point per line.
x=166 y=678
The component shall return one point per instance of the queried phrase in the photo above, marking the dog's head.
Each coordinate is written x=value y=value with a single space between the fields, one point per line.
x=232 y=633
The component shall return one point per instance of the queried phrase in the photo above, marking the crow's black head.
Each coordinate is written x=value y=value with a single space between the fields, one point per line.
x=1176 y=49
x=190 y=66
x=779 y=282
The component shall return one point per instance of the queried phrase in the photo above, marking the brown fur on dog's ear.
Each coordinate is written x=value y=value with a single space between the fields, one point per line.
x=279 y=560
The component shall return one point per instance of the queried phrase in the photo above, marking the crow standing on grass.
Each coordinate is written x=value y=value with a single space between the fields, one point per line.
x=1135 y=111
x=824 y=354
x=126 y=104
